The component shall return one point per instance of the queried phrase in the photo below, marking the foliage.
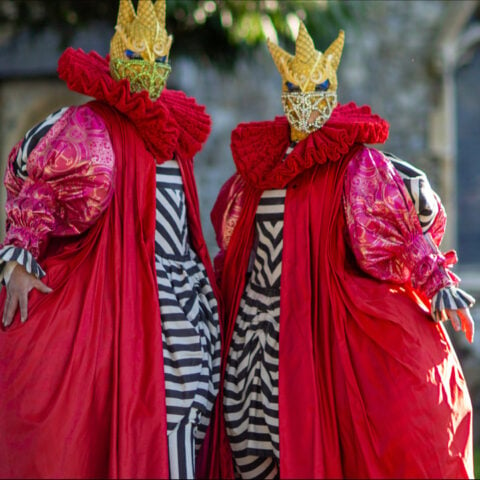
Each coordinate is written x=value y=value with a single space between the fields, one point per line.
x=215 y=29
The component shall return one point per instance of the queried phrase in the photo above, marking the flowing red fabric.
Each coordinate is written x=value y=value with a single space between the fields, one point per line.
x=369 y=387
x=82 y=381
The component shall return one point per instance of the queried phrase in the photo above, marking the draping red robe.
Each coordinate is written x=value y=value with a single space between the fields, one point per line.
x=369 y=386
x=82 y=391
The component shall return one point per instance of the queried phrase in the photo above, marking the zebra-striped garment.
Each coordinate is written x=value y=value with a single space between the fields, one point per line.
x=30 y=141
x=190 y=327
x=251 y=382
x=419 y=190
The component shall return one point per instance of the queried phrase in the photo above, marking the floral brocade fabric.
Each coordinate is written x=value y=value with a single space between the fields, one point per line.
x=384 y=231
x=69 y=183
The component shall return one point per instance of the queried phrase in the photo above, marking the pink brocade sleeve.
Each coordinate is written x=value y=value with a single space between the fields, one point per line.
x=437 y=230
x=69 y=182
x=384 y=230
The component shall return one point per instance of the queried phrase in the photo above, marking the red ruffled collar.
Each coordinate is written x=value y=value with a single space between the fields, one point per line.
x=258 y=147
x=174 y=123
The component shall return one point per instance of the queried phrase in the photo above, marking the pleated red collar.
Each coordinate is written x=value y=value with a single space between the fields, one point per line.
x=172 y=124
x=258 y=147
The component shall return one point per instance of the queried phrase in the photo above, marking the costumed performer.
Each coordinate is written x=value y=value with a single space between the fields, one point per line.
x=116 y=371
x=336 y=363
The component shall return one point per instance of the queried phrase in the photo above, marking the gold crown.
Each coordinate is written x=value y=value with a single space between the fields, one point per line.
x=308 y=67
x=142 y=33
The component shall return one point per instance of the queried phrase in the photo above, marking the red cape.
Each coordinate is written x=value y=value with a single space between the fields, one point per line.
x=369 y=387
x=82 y=382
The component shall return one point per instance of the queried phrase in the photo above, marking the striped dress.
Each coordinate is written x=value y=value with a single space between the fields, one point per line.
x=190 y=329
x=251 y=382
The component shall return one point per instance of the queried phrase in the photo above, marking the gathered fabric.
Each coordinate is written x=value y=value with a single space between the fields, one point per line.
x=174 y=123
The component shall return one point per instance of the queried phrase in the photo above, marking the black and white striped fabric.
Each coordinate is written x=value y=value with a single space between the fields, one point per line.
x=251 y=382
x=31 y=139
x=419 y=190
x=10 y=253
x=190 y=327
x=451 y=298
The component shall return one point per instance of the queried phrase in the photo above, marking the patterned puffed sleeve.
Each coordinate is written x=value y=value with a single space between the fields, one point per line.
x=59 y=180
x=395 y=223
x=225 y=215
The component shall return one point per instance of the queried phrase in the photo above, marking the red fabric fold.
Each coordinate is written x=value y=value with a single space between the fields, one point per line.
x=87 y=367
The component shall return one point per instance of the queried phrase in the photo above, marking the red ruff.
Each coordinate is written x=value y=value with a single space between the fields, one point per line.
x=173 y=123
x=258 y=147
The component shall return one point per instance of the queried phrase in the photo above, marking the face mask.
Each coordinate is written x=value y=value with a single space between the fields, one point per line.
x=142 y=75
x=307 y=112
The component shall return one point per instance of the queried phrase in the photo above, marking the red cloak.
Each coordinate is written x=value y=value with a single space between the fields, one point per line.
x=82 y=382
x=369 y=386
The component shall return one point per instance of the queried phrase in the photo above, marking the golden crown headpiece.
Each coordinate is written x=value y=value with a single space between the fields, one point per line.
x=308 y=68
x=309 y=82
x=140 y=47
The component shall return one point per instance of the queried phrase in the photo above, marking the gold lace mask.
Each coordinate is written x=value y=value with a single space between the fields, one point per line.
x=140 y=47
x=309 y=82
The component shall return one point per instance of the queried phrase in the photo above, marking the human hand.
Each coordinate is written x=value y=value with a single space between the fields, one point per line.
x=461 y=320
x=18 y=288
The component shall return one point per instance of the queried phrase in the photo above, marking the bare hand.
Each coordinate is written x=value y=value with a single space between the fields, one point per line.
x=461 y=320
x=18 y=288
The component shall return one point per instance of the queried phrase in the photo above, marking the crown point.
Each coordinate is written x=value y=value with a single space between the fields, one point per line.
x=334 y=51
x=161 y=10
x=304 y=46
x=126 y=12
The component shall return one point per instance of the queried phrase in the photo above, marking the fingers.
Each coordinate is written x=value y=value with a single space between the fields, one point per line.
x=440 y=315
x=23 y=301
x=9 y=310
x=461 y=319
x=41 y=287
x=455 y=319
x=18 y=288
x=468 y=325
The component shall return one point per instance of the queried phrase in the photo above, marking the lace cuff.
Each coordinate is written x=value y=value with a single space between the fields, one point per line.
x=452 y=298
x=10 y=253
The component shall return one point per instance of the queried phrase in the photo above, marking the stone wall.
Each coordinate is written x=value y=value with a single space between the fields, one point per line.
x=387 y=63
